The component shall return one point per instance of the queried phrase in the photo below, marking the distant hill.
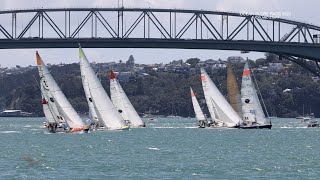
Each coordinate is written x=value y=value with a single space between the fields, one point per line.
x=167 y=93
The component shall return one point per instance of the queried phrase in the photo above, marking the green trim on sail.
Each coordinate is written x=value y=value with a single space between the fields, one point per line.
x=80 y=52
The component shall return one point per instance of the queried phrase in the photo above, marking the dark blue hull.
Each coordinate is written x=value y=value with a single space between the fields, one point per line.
x=268 y=126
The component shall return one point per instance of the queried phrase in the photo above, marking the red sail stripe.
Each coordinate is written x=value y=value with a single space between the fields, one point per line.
x=246 y=73
x=38 y=58
x=112 y=76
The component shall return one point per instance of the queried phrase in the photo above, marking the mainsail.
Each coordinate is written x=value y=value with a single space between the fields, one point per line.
x=233 y=90
x=217 y=104
x=92 y=111
x=49 y=110
x=123 y=104
x=46 y=109
x=106 y=111
x=196 y=107
x=251 y=107
x=62 y=108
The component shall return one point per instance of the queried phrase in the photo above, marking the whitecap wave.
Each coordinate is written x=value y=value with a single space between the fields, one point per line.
x=162 y=127
x=9 y=132
x=288 y=127
x=173 y=127
x=258 y=169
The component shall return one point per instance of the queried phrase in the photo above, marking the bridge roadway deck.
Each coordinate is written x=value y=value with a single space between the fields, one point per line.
x=303 y=50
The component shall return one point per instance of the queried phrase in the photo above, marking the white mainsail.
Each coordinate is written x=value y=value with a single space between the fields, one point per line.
x=49 y=110
x=196 y=107
x=122 y=103
x=64 y=109
x=106 y=112
x=45 y=106
x=49 y=105
x=92 y=111
x=116 y=96
x=251 y=107
x=219 y=108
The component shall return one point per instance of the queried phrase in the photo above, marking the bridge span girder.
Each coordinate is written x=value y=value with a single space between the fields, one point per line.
x=302 y=50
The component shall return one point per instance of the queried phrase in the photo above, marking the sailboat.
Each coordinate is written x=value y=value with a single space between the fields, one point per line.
x=202 y=121
x=221 y=112
x=253 y=115
x=123 y=104
x=233 y=90
x=304 y=117
x=96 y=123
x=106 y=112
x=313 y=121
x=56 y=107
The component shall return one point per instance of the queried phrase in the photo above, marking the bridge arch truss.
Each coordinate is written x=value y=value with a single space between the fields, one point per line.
x=158 y=28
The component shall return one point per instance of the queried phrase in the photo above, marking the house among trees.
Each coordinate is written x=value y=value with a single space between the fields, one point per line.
x=235 y=59
x=219 y=64
x=275 y=67
x=177 y=66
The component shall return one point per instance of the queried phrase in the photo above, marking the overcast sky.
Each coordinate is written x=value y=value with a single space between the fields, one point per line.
x=306 y=10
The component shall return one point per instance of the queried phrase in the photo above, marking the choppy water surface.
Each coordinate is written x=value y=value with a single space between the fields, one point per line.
x=166 y=149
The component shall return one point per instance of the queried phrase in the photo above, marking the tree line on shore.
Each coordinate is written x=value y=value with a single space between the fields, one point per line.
x=164 y=93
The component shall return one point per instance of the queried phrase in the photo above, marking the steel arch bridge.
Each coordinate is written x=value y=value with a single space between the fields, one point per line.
x=160 y=28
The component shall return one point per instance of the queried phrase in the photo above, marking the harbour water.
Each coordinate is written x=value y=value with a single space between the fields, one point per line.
x=167 y=149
